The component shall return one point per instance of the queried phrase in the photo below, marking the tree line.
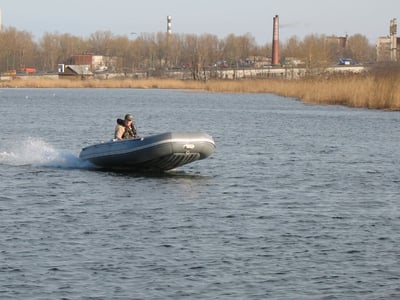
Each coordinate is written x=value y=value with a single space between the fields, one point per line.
x=160 y=51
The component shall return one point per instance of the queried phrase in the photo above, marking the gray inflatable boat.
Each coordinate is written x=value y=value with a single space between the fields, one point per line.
x=164 y=151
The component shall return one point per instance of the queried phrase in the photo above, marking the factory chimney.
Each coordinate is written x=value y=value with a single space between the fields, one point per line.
x=393 y=40
x=169 y=25
x=275 y=42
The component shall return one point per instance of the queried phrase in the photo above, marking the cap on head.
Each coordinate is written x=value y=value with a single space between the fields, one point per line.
x=128 y=117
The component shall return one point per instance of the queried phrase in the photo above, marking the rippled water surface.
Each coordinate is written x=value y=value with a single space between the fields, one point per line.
x=297 y=202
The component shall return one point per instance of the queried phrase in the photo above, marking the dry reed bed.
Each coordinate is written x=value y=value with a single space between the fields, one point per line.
x=369 y=91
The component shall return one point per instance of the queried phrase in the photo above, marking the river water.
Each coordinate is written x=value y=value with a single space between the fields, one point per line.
x=297 y=202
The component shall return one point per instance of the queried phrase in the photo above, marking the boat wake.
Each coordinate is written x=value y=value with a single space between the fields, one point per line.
x=36 y=152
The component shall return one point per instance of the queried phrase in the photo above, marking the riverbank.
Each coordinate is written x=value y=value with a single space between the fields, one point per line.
x=375 y=91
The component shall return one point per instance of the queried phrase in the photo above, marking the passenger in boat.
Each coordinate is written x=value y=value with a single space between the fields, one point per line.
x=125 y=128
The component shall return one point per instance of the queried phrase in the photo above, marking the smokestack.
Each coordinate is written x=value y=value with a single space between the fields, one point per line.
x=169 y=20
x=275 y=42
x=393 y=40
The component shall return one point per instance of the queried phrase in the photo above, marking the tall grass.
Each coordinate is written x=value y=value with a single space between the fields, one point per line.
x=378 y=90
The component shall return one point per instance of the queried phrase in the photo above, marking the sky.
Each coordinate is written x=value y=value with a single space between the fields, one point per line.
x=218 y=17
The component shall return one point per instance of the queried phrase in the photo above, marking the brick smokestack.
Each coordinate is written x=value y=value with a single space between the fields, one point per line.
x=275 y=42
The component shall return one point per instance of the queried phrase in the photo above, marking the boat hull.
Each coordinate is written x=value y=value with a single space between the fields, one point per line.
x=164 y=151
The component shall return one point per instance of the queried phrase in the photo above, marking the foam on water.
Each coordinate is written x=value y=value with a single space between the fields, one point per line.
x=36 y=152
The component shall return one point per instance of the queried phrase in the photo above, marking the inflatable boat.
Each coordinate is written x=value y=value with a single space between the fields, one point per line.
x=163 y=152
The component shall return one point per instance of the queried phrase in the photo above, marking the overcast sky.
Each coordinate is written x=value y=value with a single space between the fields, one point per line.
x=220 y=17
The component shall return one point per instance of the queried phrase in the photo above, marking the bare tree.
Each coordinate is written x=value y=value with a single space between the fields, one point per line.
x=292 y=48
x=314 y=53
x=17 y=49
x=49 y=49
x=70 y=45
x=359 y=48
x=208 y=51
x=100 y=42
x=159 y=51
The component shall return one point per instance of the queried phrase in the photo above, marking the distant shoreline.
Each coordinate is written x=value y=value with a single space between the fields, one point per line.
x=367 y=91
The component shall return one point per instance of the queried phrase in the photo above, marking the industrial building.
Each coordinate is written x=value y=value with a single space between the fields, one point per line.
x=387 y=47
